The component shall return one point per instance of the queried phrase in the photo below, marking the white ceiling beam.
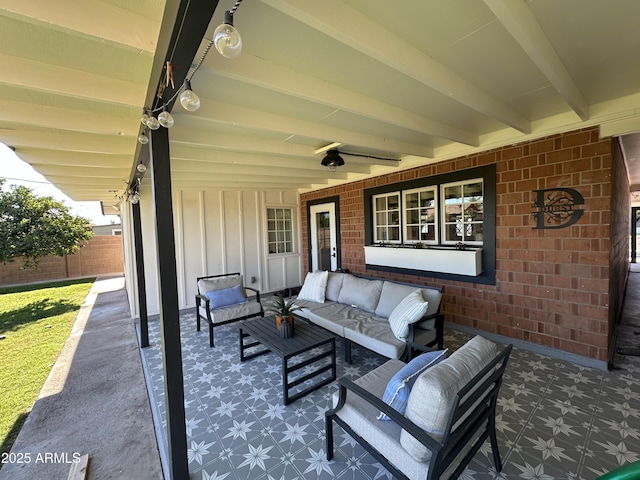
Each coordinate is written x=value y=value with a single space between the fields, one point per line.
x=345 y=24
x=210 y=159
x=213 y=112
x=280 y=78
x=35 y=115
x=41 y=156
x=65 y=81
x=519 y=21
x=266 y=169
x=292 y=182
x=93 y=19
x=233 y=184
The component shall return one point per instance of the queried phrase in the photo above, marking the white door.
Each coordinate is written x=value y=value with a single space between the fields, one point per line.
x=324 y=255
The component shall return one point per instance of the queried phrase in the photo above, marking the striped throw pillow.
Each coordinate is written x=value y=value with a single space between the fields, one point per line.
x=411 y=309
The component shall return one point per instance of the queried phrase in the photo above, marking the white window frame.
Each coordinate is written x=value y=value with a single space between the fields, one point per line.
x=375 y=218
x=280 y=232
x=464 y=225
x=405 y=214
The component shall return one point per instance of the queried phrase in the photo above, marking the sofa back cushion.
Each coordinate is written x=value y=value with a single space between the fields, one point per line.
x=431 y=398
x=393 y=293
x=334 y=285
x=218 y=283
x=360 y=292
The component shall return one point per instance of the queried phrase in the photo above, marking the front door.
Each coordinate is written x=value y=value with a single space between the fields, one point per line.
x=323 y=235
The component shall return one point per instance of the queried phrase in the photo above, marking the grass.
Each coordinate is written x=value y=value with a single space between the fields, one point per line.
x=35 y=321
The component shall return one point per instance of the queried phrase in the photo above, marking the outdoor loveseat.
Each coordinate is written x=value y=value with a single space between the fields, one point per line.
x=442 y=412
x=222 y=299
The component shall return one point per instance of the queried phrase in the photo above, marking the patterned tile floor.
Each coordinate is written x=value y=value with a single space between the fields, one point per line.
x=556 y=420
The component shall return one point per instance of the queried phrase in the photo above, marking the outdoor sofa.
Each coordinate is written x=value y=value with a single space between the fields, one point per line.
x=381 y=315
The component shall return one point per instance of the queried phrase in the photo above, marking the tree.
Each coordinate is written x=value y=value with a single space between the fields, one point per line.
x=33 y=227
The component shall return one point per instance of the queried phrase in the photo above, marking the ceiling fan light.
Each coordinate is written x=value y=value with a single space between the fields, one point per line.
x=188 y=99
x=226 y=38
x=332 y=160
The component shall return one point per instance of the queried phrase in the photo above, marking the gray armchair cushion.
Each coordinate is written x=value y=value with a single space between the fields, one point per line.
x=431 y=398
x=218 y=283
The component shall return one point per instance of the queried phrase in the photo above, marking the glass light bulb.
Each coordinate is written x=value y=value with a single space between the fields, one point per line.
x=153 y=123
x=135 y=198
x=189 y=100
x=141 y=167
x=143 y=139
x=165 y=119
x=144 y=118
x=227 y=40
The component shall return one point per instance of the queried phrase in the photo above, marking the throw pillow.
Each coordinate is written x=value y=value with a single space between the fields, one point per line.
x=408 y=311
x=314 y=287
x=397 y=392
x=225 y=297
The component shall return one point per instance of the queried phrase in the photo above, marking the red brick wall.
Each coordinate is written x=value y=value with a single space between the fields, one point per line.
x=552 y=285
x=101 y=255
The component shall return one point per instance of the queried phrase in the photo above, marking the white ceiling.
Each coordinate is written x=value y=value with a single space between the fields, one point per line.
x=417 y=81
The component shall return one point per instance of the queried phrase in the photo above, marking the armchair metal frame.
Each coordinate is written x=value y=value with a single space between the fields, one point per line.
x=472 y=419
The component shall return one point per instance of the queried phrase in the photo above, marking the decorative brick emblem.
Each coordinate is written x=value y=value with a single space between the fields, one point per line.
x=557 y=207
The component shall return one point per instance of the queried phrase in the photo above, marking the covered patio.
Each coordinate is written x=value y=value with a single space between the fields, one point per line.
x=529 y=103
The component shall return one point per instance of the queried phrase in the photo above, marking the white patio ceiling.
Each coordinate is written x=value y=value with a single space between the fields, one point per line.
x=418 y=81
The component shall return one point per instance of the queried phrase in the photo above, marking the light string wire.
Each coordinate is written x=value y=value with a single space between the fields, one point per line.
x=193 y=69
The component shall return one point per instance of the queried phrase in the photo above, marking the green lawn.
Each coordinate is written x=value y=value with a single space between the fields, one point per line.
x=35 y=321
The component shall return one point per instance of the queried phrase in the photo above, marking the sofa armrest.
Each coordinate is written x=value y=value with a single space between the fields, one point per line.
x=406 y=424
x=438 y=327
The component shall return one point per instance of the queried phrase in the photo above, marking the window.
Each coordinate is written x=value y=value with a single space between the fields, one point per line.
x=386 y=217
x=420 y=215
x=462 y=212
x=280 y=230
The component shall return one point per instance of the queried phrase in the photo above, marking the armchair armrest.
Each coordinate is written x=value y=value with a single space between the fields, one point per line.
x=406 y=424
x=438 y=328
x=202 y=298
x=256 y=291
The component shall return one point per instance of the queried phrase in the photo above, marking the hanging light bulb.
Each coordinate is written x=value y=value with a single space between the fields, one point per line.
x=141 y=167
x=188 y=99
x=165 y=118
x=226 y=38
x=143 y=139
x=152 y=123
x=144 y=118
x=135 y=198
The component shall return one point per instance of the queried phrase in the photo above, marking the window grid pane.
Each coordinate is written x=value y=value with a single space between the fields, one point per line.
x=420 y=216
x=279 y=230
x=463 y=212
x=387 y=217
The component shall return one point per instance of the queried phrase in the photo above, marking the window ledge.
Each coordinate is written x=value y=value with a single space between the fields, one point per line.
x=434 y=259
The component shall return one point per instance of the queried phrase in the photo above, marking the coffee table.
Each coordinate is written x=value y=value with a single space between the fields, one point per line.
x=294 y=352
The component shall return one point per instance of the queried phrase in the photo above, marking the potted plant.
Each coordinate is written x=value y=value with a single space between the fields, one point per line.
x=283 y=311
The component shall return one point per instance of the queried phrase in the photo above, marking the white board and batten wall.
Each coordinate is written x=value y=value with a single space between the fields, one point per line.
x=220 y=231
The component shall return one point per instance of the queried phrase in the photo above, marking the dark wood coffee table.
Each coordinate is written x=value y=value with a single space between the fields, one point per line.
x=306 y=337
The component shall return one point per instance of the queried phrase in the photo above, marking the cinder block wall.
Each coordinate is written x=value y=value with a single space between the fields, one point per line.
x=552 y=286
x=101 y=255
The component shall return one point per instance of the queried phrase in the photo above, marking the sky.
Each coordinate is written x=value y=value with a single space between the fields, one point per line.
x=18 y=172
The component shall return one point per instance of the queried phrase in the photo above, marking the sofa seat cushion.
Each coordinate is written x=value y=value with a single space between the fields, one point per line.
x=431 y=398
x=332 y=316
x=374 y=333
x=222 y=314
x=383 y=436
x=360 y=293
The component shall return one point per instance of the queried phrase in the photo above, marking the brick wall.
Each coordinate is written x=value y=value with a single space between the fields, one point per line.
x=552 y=286
x=101 y=255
